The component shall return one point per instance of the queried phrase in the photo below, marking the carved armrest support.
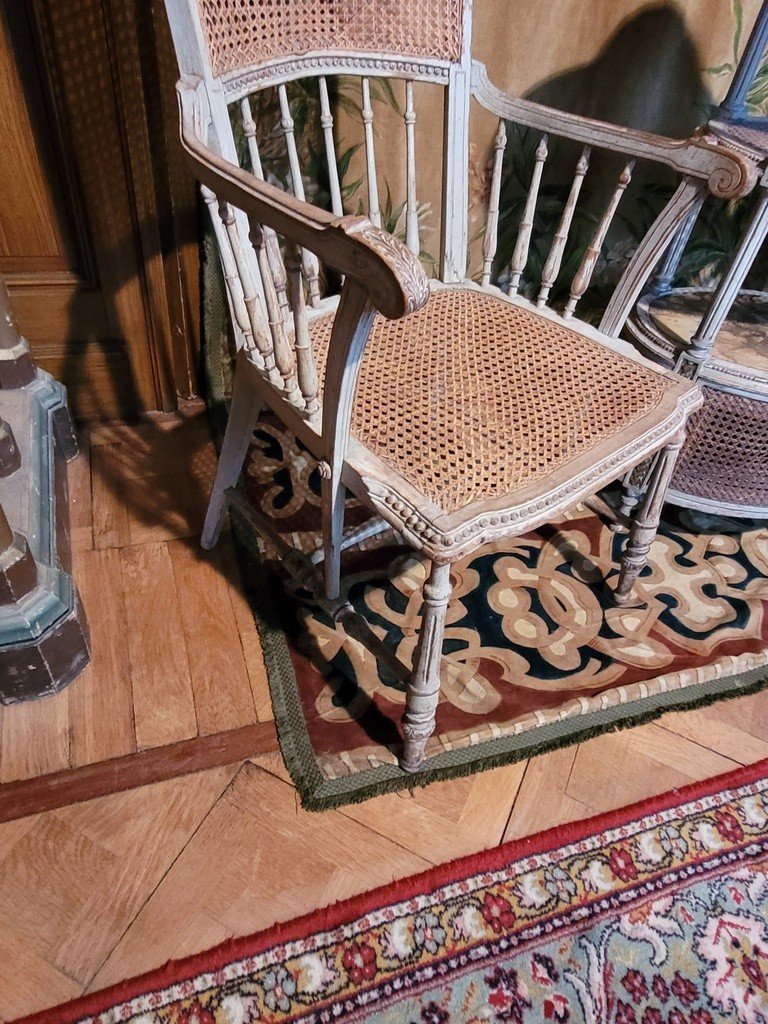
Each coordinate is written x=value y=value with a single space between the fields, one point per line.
x=392 y=276
x=729 y=174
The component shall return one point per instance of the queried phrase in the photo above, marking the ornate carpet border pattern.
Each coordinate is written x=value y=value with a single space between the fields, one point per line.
x=374 y=950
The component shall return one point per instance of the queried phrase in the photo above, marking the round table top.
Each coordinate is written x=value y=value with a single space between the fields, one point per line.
x=739 y=359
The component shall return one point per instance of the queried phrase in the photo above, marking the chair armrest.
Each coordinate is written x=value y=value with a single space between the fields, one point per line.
x=392 y=276
x=729 y=174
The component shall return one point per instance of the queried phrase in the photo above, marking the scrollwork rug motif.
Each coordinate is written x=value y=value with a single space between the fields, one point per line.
x=532 y=647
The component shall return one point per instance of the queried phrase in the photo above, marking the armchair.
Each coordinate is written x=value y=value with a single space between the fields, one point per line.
x=459 y=413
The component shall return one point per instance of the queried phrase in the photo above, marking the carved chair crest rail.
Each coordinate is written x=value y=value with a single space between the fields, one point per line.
x=458 y=412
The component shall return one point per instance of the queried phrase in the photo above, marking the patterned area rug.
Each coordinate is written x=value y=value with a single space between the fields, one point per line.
x=655 y=914
x=534 y=654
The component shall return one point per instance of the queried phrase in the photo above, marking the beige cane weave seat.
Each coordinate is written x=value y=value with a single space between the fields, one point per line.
x=474 y=397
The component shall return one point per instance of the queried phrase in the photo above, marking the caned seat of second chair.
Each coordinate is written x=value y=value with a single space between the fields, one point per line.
x=459 y=413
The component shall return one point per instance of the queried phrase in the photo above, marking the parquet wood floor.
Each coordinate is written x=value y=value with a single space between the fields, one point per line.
x=108 y=888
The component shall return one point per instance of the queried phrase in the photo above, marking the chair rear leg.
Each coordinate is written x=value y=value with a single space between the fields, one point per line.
x=424 y=687
x=243 y=413
x=332 y=494
x=646 y=520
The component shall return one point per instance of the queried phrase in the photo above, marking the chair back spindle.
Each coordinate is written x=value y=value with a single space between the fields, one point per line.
x=326 y=123
x=305 y=359
x=490 y=238
x=366 y=112
x=411 y=206
x=555 y=257
x=309 y=260
x=584 y=273
x=522 y=245
x=283 y=353
x=229 y=269
x=273 y=245
x=259 y=327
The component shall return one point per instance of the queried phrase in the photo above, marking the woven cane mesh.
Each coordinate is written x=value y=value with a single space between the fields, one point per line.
x=749 y=135
x=473 y=397
x=242 y=33
x=725 y=457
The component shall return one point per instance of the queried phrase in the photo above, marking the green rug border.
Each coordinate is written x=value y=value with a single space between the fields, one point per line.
x=315 y=791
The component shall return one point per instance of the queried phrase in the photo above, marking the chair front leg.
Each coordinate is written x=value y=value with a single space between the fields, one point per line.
x=633 y=486
x=646 y=521
x=243 y=414
x=424 y=687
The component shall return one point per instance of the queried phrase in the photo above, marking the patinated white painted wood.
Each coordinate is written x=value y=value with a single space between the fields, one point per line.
x=424 y=689
x=256 y=317
x=411 y=205
x=311 y=269
x=727 y=173
x=273 y=245
x=351 y=328
x=307 y=371
x=645 y=257
x=522 y=245
x=555 y=257
x=231 y=278
x=281 y=347
x=646 y=521
x=326 y=123
x=455 y=204
x=366 y=112
x=691 y=359
x=243 y=414
x=490 y=238
x=587 y=268
x=355 y=535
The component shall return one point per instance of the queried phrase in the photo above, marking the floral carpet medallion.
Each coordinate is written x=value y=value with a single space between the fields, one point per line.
x=656 y=914
x=534 y=655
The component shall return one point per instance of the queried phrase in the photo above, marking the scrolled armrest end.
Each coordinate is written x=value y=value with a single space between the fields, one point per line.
x=733 y=174
x=403 y=288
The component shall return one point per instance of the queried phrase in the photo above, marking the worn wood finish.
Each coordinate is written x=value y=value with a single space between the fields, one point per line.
x=584 y=274
x=424 y=690
x=326 y=122
x=490 y=238
x=520 y=255
x=366 y=112
x=555 y=257
x=411 y=205
x=646 y=521
x=100 y=243
x=381 y=274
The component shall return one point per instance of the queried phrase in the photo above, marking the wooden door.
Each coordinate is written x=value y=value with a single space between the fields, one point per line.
x=98 y=229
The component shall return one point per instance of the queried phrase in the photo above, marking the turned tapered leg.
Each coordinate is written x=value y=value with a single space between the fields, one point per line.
x=424 y=687
x=243 y=414
x=646 y=520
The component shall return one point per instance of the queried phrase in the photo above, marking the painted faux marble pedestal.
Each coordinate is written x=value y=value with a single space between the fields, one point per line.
x=44 y=640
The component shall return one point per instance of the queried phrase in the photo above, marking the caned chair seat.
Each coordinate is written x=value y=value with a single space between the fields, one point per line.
x=477 y=399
